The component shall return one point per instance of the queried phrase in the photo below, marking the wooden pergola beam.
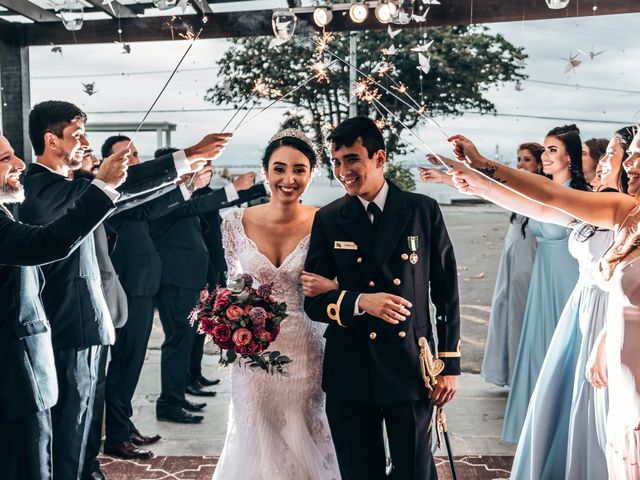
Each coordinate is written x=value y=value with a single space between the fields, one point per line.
x=255 y=23
x=120 y=10
x=30 y=10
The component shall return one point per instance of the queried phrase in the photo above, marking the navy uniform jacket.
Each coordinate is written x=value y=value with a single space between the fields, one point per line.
x=72 y=296
x=367 y=359
x=27 y=372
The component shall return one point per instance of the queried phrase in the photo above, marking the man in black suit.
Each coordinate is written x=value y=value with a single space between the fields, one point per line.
x=28 y=385
x=72 y=295
x=184 y=256
x=388 y=250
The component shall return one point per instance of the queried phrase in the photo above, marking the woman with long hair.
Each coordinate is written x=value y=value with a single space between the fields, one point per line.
x=277 y=424
x=614 y=360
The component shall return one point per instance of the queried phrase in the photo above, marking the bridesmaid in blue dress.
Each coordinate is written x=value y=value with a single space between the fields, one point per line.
x=512 y=285
x=563 y=435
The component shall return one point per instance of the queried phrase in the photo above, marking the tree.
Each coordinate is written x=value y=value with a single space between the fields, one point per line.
x=465 y=62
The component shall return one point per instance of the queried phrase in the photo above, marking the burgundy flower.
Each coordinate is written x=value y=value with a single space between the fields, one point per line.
x=259 y=316
x=241 y=336
x=241 y=349
x=248 y=279
x=253 y=347
x=265 y=291
x=263 y=336
x=222 y=299
x=221 y=332
x=207 y=325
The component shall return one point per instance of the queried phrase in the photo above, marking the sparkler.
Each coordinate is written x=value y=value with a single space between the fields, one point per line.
x=146 y=115
x=283 y=96
x=361 y=90
x=419 y=111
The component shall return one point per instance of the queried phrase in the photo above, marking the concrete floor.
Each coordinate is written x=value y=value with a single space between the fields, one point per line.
x=474 y=417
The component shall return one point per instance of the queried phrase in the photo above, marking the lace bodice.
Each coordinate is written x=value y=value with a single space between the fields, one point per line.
x=279 y=419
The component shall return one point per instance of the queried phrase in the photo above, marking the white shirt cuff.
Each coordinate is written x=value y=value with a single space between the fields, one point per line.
x=230 y=190
x=186 y=194
x=182 y=164
x=356 y=307
x=111 y=192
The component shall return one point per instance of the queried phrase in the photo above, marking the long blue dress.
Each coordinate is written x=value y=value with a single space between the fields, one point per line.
x=508 y=304
x=564 y=431
x=554 y=275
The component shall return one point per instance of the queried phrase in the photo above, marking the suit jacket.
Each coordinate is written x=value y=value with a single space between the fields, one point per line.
x=112 y=290
x=135 y=257
x=178 y=239
x=367 y=359
x=72 y=296
x=27 y=372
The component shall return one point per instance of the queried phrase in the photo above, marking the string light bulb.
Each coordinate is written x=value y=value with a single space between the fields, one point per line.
x=383 y=12
x=358 y=12
x=322 y=16
x=557 y=4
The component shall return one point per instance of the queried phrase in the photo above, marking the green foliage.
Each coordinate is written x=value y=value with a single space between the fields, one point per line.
x=400 y=175
x=465 y=62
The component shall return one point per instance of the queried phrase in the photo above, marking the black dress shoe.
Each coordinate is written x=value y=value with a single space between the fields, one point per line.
x=205 y=382
x=138 y=439
x=126 y=450
x=95 y=475
x=192 y=406
x=194 y=388
x=179 y=415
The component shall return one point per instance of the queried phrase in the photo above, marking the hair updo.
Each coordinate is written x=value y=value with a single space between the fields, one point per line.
x=569 y=135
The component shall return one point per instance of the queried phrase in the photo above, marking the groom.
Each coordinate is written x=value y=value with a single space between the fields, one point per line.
x=389 y=251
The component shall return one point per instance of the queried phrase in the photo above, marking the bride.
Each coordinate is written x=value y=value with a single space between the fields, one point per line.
x=277 y=426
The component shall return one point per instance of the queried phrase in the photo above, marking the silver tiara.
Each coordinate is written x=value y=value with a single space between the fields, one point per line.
x=294 y=133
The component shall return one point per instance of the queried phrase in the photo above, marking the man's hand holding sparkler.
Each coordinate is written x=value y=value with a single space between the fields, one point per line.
x=206 y=150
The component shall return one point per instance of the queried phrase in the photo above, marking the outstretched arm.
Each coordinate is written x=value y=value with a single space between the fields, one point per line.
x=603 y=210
x=472 y=183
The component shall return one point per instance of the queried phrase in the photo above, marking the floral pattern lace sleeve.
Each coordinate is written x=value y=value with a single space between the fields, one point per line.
x=231 y=234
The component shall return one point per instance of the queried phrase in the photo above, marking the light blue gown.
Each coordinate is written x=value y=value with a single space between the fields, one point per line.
x=564 y=431
x=508 y=304
x=554 y=276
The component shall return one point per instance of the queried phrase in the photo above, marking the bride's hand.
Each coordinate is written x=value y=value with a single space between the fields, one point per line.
x=313 y=284
x=465 y=151
x=596 y=371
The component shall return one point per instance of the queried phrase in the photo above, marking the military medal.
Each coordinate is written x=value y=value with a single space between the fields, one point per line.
x=414 y=244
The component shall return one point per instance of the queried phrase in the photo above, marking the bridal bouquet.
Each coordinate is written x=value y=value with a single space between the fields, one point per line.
x=243 y=321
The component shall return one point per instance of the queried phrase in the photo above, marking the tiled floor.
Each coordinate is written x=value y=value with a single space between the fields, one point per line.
x=471 y=467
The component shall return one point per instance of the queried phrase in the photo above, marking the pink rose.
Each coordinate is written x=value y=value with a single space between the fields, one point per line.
x=247 y=309
x=221 y=332
x=234 y=312
x=204 y=295
x=241 y=336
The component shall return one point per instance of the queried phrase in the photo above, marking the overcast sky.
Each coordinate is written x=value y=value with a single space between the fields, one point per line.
x=121 y=87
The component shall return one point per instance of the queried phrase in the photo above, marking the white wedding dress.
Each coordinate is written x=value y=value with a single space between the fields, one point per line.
x=277 y=424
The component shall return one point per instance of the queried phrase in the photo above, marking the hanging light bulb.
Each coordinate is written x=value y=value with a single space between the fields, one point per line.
x=557 y=4
x=358 y=12
x=283 y=23
x=322 y=16
x=164 y=4
x=72 y=15
x=383 y=12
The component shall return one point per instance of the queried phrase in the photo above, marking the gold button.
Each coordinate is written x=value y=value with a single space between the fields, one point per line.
x=373 y=335
x=404 y=256
x=372 y=283
x=396 y=281
x=359 y=260
x=402 y=334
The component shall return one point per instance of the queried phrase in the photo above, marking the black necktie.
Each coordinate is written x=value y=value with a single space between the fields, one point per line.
x=375 y=211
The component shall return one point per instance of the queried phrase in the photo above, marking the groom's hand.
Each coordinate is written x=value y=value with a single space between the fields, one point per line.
x=390 y=308
x=445 y=390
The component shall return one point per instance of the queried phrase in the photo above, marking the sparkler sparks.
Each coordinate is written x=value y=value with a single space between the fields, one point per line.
x=321 y=71
x=363 y=90
x=323 y=41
